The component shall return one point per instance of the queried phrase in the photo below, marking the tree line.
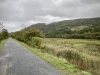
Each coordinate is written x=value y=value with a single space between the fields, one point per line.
x=91 y=32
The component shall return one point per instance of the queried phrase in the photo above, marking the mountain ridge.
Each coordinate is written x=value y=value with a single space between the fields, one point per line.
x=65 y=27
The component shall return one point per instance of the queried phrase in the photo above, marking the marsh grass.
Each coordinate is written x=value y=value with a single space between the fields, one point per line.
x=83 y=53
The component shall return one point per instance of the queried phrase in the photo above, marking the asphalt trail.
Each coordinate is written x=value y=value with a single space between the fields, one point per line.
x=17 y=60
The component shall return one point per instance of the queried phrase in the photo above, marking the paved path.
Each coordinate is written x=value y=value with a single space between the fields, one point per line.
x=17 y=60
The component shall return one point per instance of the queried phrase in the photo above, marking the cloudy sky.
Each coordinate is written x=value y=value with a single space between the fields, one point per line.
x=14 y=13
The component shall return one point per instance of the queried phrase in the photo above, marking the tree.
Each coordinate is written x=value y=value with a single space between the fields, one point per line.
x=19 y=35
x=5 y=34
x=33 y=33
x=0 y=37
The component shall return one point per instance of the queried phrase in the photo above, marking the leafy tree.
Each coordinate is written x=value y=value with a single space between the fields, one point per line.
x=19 y=35
x=33 y=33
x=5 y=34
x=0 y=37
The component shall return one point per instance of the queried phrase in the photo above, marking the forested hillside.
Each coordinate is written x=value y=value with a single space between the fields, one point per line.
x=87 y=28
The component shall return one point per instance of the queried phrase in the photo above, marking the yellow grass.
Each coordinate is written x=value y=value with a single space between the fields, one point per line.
x=88 y=50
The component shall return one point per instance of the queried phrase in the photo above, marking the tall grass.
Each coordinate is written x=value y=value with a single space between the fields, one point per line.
x=83 y=53
x=2 y=43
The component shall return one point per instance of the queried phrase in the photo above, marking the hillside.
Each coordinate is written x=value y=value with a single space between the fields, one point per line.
x=65 y=29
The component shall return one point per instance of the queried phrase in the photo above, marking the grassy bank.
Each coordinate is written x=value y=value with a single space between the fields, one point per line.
x=83 y=53
x=61 y=64
x=2 y=43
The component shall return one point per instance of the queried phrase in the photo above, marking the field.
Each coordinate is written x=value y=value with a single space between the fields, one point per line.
x=83 y=53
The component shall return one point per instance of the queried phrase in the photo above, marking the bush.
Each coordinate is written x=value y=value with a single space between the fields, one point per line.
x=98 y=37
x=36 y=42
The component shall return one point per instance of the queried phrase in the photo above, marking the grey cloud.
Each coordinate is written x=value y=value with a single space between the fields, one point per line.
x=17 y=12
x=11 y=11
x=77 y=9
x=90 y=1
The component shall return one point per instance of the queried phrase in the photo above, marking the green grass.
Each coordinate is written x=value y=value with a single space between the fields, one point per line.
x=2 y=43
x=61 y=64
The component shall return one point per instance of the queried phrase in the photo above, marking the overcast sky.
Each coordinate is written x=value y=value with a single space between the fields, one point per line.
x=14 y=13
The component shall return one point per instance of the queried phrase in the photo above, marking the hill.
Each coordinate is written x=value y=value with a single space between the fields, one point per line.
x=70 y=28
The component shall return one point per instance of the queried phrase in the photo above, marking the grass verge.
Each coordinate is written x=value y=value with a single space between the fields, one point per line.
x=2 y=43
x=62 y=65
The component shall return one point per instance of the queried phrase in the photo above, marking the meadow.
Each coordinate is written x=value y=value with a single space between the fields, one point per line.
x=84 y=53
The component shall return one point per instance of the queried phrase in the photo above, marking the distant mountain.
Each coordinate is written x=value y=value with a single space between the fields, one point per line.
x=66 y=27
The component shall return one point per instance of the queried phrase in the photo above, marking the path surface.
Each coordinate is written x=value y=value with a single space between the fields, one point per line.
x=17 y=60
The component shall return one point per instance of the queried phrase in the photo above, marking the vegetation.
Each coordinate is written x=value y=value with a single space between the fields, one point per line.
x=2 y=44
x=4 y=34
x=32 y=33
x=61 y=64
x=36 y=42
x=30 y=37
x=80 y=28
x=83 y=53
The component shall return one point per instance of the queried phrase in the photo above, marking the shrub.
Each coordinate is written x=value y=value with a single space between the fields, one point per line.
x=98 y=37
x=36 y=42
